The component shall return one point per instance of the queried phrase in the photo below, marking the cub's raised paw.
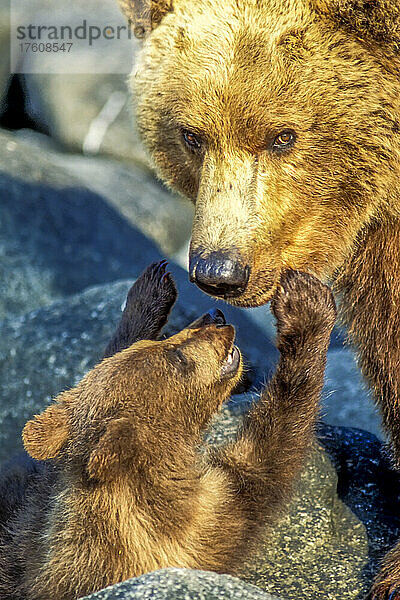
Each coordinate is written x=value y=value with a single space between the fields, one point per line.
x=151 y=299
x=302 y=306
x=148 y=305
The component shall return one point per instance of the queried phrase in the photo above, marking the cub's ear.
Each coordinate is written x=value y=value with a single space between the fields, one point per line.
x=46 y=434
x=115 y=449
x=371 y=20
x=144 y=15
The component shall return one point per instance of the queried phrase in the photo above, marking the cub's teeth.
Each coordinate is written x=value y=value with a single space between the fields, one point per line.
x=230 y=358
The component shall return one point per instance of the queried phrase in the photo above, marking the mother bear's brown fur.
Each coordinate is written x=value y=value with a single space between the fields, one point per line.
x=280 y=119
x=123 y=489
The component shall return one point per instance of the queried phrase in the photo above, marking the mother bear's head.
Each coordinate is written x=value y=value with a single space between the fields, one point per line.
x=280 y=120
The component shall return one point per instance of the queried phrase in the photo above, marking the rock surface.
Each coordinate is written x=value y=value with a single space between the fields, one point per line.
x=346 y=399
x=59 y=233
x=182 y=584
x=339 y=525
x=73 y=104
x=56 y=236
x=135 y=194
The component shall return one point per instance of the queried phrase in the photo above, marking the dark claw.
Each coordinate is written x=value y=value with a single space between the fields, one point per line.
x=165 y=276
x=162 y=265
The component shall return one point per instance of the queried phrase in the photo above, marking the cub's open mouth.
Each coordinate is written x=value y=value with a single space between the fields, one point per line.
x=231 y=364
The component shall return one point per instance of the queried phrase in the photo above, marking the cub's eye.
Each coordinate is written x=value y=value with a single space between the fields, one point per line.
x=192 y=140
x=284 y=141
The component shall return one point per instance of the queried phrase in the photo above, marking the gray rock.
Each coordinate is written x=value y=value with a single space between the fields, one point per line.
x=368 y=485
x=346 y=398
x=318 y=547
x=131 y=190
x=342 y=520
x=143 y=201
x=58 y=236
x=182 y=584
x=71 y=107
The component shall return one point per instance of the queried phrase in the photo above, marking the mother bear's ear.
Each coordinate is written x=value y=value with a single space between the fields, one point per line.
x=144 y=15
x=376 y=21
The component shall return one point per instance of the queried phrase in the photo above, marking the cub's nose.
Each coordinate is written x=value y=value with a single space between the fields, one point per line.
x=219 y=274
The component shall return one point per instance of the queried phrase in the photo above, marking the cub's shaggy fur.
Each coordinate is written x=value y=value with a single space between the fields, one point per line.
x=123 y=489
x=216 y=85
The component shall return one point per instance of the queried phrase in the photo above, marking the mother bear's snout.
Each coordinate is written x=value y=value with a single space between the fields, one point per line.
x=219 y=273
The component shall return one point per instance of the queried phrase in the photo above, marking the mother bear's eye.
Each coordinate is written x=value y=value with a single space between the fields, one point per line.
x=192 y=140
x=284 y=141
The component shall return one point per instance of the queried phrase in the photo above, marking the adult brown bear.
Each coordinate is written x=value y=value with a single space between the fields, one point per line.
x=280 y=119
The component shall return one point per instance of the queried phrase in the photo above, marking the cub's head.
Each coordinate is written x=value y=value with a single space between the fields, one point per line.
x=141 y=406
x=280 y=120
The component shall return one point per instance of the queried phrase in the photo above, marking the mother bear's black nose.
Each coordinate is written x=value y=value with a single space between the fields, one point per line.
x=219 y=274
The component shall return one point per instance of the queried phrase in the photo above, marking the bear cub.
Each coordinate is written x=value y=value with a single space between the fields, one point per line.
x=116 y=486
